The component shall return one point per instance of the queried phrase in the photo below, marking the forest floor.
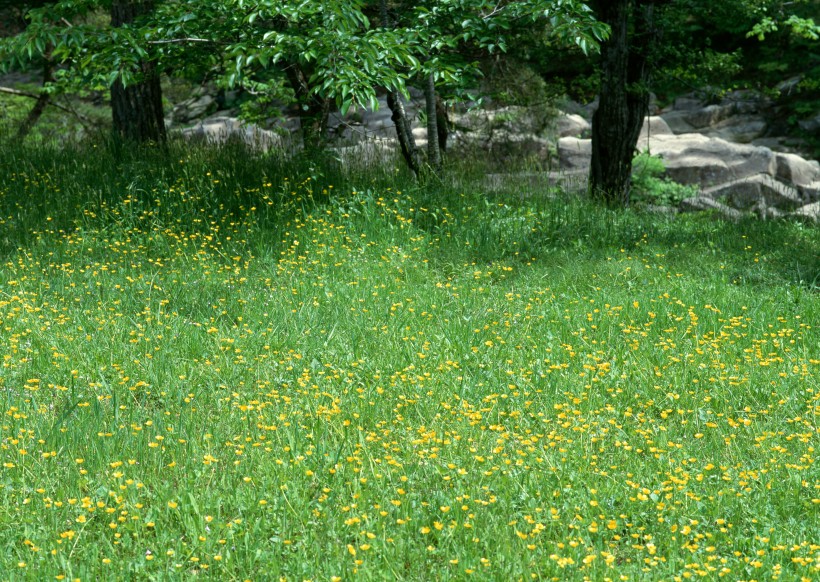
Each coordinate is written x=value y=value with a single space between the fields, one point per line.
x=223 y=365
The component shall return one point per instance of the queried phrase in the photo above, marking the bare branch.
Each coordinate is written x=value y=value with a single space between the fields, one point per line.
x=11 y=91
x=181 y=40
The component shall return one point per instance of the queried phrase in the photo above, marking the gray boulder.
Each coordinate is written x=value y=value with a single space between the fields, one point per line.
x=687 y=103
x=571 y=125
x=739 y=128
x=796 y=170
x=708 y=116
x=809 y=213
x=697 y=159
x=811 y=125
x=677 y=121
x=221 y=129
x=754 y=192
x=701 y=203
x=194 y=108
x=653 y=126
x=574 y=153
x=810 y=192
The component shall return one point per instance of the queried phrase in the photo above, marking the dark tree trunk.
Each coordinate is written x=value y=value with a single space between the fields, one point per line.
x=314 y=111
x=404 y=129
x=42 y=101
x=624 y=97
x=442 y=125
x=433 y=151
x=137 y=108
x=404 y=132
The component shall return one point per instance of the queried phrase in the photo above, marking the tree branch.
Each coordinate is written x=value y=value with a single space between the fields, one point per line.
x=11 y=91
x=181 y=40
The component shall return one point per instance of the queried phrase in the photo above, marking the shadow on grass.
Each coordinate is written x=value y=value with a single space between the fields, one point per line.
x=190 y=187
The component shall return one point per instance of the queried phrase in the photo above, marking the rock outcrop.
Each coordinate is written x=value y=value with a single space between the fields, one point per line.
x=734 y=178
x=717 y=147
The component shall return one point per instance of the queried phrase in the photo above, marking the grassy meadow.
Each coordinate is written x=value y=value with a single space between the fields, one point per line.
x=223 y=366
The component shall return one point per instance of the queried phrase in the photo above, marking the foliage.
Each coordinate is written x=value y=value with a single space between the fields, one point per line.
x=650 y=186
x=248 y=43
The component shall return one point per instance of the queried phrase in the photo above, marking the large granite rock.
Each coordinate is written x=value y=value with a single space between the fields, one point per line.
x=760 y=189
x=705 y=161
x=571 y=125
x=796 y=170
x=701 y=203
x=809 y=213
x=734 y=178
x=574 y=153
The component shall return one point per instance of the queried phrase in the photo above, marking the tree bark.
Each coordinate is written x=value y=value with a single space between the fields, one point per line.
x=137 y=109
x=404 y=132
x=42 y=102
x=624 y=97
x=314 y=111
x=433 y=151
x=442 y=125
x=404 y=129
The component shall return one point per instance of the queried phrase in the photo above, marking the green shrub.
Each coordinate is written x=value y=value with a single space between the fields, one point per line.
x=650 y=186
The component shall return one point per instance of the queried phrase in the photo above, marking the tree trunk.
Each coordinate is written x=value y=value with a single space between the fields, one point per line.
x=314 y=111
x=404 y=129
x=404 y=132
x=42 y=101
x=624 y=97
x=442 y=125
x=433 y=151
x=137 y=109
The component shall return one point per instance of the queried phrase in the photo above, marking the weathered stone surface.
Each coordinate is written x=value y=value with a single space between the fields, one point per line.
x=689 y=159
x=737 y=118
x=756 y=191
x=701 y=203
x=653 y=127
x=518 y=147
x=746 y=101
x=708 y=116
x=696 y=159
x=698 y=169
x=796 y=170
x=767 y=212
x=574 y=153
x=739 y=129
x=364 y=124
x=660 y=209
x=810 y=192
x=810 y=125
x=688 y=103
x=193 y=108
x=513 y=119
x=571 y=125
x=367 y=152
x=536 y=183
x=808 y=213
x=785 y=144
x=219 y=130
x=677 y=121
x=420 y=133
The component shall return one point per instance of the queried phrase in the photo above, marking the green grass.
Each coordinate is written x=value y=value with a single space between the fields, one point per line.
x=228 y=367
